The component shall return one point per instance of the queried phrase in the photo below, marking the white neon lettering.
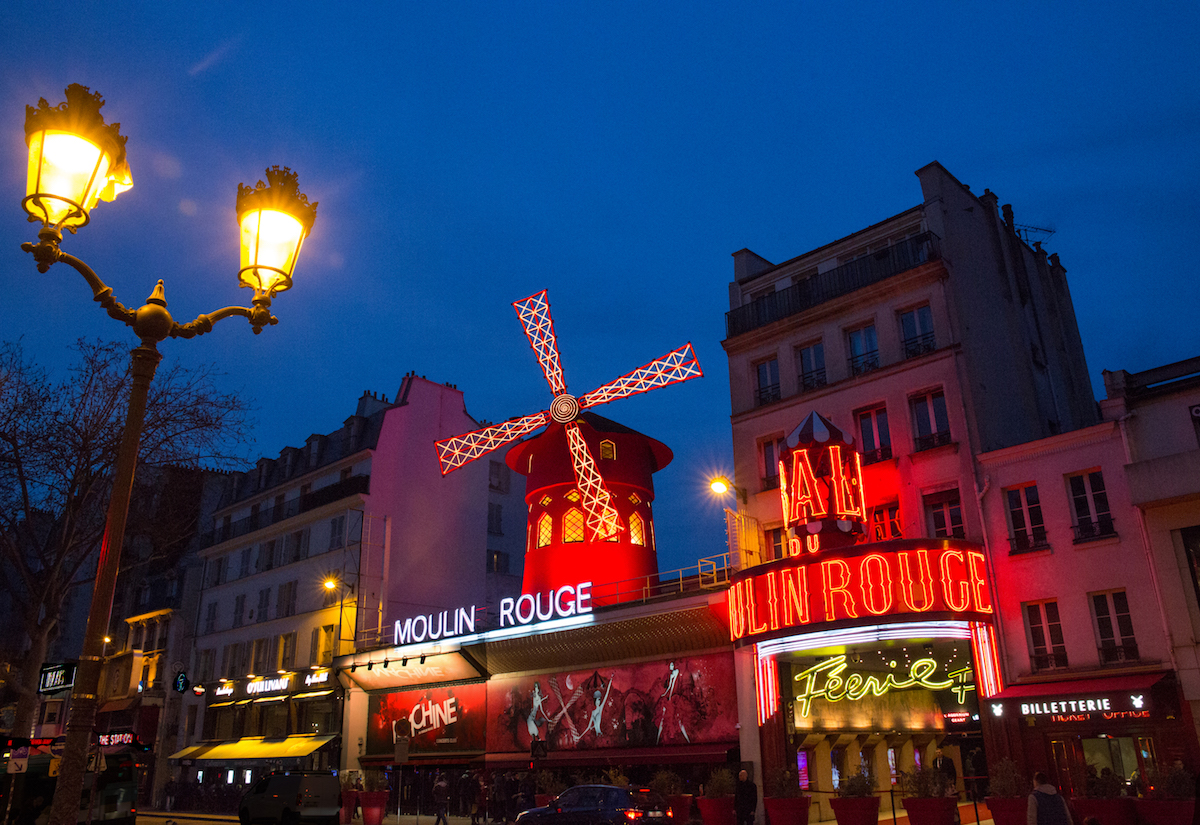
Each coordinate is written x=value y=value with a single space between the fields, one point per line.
x=569 y=609
x=465 y=622
x=506 y=611
x=522 y=616
x=583 y=598
x=429 y=715
x=549 y=612
x=266 y=685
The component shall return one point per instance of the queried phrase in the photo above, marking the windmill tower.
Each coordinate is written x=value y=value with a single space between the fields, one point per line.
x=572 y=440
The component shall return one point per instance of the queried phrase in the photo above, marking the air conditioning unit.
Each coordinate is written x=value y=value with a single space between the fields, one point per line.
x=1196 y=411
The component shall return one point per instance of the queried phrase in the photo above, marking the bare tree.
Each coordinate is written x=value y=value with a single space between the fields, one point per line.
x=58 y=444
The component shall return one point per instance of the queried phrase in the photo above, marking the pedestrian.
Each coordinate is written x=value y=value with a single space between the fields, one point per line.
x=945 y=766
x=441 y=799
x=745 y=799
x=1046 y=806
x=169 y=790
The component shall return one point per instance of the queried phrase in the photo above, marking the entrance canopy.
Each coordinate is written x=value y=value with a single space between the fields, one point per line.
x=255 y=747
x=1107 y=684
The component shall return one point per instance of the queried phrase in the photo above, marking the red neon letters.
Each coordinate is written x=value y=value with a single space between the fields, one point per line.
x=888 y=578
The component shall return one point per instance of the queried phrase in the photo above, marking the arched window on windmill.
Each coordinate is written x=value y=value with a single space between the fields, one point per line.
x=545 y=528
x=637 y=532
x=573 y=525
x=608 y=449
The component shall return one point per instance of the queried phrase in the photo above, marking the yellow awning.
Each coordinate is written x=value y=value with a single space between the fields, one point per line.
x=255 y=747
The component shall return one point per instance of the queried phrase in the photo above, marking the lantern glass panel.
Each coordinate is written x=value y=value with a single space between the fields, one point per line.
x=66 y=173
x=270 y=243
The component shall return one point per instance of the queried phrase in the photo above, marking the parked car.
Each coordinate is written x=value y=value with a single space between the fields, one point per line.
x=599 y=805
x=292 y=797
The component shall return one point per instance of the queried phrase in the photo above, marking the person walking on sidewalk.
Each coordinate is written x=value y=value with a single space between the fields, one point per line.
x=441 y=799
x=1046 y=806
x=745 y=799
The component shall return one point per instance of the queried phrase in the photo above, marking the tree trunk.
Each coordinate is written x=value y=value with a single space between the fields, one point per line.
x=27 y=682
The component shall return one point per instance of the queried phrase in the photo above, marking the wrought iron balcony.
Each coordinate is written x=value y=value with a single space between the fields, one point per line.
x=928 y=442
x=1101 y=528
x=1123 y=652
x=1028 y=542
x=919 y=345
x=814 y=380
x=864 y=363
x=875 y=456
x=766 y=394
x=1048 y=661
x=325 y=495
x=825 y=286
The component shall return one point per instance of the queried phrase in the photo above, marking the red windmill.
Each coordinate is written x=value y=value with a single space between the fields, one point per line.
x=534 y=312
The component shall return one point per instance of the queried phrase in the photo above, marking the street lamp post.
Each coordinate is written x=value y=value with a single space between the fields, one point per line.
x=742 y=532
x=75 y=159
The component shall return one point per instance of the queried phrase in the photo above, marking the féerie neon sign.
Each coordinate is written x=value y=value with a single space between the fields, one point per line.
x=828 y=680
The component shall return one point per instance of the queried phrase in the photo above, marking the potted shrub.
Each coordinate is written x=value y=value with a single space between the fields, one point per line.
x=856 y=802
x=924 y=795
x=1100 y=796
x=670 y=785
x=1170 y=798
x=349 y=798
x=616 y=776
x=716 y=806
x=374 y=797
x=1008 y=793
x=548 y=787
x=785 y=802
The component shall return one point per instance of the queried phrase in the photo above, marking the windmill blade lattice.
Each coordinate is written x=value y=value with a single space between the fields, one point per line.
x=534 y=313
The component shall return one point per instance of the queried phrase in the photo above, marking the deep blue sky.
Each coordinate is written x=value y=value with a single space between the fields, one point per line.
x=468 y=155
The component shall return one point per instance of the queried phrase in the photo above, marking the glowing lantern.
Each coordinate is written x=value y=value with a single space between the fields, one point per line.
x=821 y=487
x=75 y=159
x=275 y=218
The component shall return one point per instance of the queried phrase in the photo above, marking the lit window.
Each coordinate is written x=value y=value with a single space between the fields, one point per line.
x=885 y=522
x=545 y=527
x=1043 y=628
x=1028 y=531
x=1089 y=503
x=1114 y=627
x=944 y=512
x=633 y=498
x=545 y=502
x=608 y=450
x=637 y=535
x=573 y=495
x=573 y=525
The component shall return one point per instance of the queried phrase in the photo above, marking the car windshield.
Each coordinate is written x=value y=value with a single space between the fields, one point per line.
x=646 y=799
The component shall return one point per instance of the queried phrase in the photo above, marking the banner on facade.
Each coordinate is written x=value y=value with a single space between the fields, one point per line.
x=689 y=700
x=434 y=719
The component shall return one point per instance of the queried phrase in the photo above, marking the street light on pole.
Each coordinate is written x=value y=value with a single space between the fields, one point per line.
x=742 y=532
x=75 y=160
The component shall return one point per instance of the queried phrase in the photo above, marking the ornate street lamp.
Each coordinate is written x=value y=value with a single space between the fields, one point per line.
x=76 y=159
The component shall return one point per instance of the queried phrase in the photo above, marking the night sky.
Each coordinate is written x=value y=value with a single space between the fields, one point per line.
x=468 y=155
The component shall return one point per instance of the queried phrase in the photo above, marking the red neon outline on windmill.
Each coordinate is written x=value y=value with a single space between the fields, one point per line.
x=534 y=312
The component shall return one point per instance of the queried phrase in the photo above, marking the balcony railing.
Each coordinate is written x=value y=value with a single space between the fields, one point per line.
x=265 y=518
x=825 y=286
x=1101 y=528
x=928 y=442
x=864 y=363
x=1025 y=542
x=1048 y=661
x=1124 y=652
x=875 y=456
x=814 y=380
x=919 y=345
x=766 y=394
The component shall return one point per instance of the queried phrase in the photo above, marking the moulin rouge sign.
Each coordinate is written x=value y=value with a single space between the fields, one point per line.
x=826 y=576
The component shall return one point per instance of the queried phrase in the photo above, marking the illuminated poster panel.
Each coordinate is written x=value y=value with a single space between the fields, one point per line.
x=449 y=719
x=689 y=700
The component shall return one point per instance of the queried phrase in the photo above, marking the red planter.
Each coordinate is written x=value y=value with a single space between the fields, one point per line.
x=349 y=803
x=1165 y=811
x=1007 y=810
x=717 y=811
x=1118 y=811
x=374 y=805
x=787 y=810
x=855 y=810
x=935 y=810
x=681 y=807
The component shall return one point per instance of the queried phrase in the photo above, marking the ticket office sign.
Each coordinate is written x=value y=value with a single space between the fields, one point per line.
x=905 y=577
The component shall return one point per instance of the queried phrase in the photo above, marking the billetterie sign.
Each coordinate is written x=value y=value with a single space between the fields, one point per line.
x=893 y=578
x=527 y=609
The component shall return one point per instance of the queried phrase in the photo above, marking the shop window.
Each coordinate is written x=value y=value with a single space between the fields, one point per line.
x=316 y=716
x=495 y=520
x=931 y=425
x=943 y=513
x=885 y=522
x=637 y=532
x=545 y=529
x=770 y=452
x=864 y=349
x=608 y=450
x=811 y=362
x=916 y=330
x=766 y=386
x=1043 y=629
x=873 y=433
x=1026 y=530
x=1089 y=504
x=1114 y=627
x=573 y=525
